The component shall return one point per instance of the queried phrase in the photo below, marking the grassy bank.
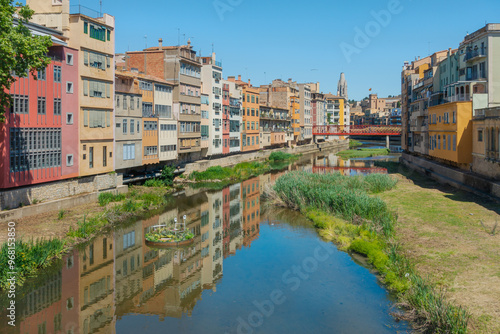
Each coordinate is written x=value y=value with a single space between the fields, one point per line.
x=363 y=153
x=346 y=211
x=81 y=224
x=451 y=238
x=242 y=171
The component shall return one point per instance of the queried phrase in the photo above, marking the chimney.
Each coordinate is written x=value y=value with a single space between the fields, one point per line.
x=160 y=43
x=239 y=77
x=249 y=81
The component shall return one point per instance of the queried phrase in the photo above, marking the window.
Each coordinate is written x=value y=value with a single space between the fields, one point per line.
x=124 y=127
x=150 y=150
x=132 y=126
x=20 y=104
x=34 y=148
x=449 y=142
x=446 y=117
x=439 y=142
x=480 y=136
x=69 y=118
x=163 y=111
x=118 y=101
x=91 y=157
x=41 y=75
x=454 y=142
x=96 y=118
x=41 y=106
x=96 y=88
x=125 y=105
x=57 y=73
x=129 y=152
x=69 y=160
x=147 y=109
x=85 y=27
x=69 y=87
x=104 y=156
x=69 y=59
x=97 y=32
x=444 y=142
x=454 y=117
x=150 y=126
x=168 y=148
x=131 y=103
x=138 y=126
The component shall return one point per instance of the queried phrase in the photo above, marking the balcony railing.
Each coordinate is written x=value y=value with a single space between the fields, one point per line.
x=475 y=54
x=78 y=9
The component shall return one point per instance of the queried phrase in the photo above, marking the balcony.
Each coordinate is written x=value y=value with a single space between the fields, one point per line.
x=475 y=54
x=82 y=10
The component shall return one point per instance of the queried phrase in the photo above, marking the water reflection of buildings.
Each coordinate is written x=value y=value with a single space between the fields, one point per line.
x=119 y=274
x=331 y=163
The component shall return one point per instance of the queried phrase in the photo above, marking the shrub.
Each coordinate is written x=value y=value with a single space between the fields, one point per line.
x=167 y=175
x=154 y=183
x=280 y=156
x=106 y=198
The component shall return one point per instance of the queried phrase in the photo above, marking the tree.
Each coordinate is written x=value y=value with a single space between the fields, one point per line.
x=20 y=51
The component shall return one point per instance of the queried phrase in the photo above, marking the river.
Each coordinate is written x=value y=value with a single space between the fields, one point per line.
x=252 y=268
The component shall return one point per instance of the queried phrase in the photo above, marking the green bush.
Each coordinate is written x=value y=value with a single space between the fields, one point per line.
x=280 y=156
x=167 y=175
x=154 y=183
x=106 y=198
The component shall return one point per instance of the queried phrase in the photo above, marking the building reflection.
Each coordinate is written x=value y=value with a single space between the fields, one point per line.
x=116 y=275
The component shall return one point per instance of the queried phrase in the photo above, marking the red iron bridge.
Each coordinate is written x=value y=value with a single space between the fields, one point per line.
x=357 y=130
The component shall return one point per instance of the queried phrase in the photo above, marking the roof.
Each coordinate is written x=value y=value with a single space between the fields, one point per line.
x=38 y=30
x=127 y=74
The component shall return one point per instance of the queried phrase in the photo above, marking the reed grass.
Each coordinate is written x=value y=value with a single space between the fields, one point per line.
x=30 y=257
x=345 y=211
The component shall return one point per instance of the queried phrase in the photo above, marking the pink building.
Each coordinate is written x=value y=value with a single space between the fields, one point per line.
x=39 y=139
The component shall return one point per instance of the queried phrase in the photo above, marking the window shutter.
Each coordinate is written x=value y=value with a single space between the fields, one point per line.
x=108 y=61
x=92 y=88
x=107 y=89
x=108 y=118
x=85 y=57
x=85 y=118
x=85 y=87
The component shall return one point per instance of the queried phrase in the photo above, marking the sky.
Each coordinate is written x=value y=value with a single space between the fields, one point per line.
x=308 y=41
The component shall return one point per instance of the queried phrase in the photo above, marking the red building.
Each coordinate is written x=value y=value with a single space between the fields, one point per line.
x=39 y=139
x=225 y=119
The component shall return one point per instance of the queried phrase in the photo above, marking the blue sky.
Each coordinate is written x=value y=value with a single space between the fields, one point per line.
x=263 y=40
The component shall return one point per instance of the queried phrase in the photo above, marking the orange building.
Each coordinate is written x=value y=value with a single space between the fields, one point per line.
x=250 y=197
x=250 y=115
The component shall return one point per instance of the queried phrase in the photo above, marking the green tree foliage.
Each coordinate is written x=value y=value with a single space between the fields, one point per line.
x=20 y=52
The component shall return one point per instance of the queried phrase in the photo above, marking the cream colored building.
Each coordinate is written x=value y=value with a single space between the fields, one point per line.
x=167 y=135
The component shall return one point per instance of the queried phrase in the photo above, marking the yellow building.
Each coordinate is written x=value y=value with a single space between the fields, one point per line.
x=450 y=133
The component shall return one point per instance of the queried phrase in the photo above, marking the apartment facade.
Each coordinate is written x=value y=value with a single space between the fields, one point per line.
x=306 y=112
x=167 y=124
x=40 y=132
x=128 y=120
x=275 y=124
x=235 y=118
x=211 y=76
x=181 y=66
x=250 y=115
x=93 y=35
x=205 y=124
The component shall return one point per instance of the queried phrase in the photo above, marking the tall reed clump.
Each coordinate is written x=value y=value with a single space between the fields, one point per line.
x=342 y=208
x=30 y=256
x=345 y=196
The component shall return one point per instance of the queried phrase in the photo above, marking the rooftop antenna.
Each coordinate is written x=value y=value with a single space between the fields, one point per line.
x=178 y=36
x=212 y=47
x=100 y=3
x=146 y=38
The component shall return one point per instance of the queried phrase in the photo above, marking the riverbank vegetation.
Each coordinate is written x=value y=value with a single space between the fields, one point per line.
x=354 y=143
x=346 y=211
x=363 y=153
x=243 y=170
x=75 y=226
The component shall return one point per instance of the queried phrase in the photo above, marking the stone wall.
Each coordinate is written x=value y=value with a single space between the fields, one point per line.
x=261 y=155
x=455 y=177
x=52 y=191
x=488 y=168
x=56 y=205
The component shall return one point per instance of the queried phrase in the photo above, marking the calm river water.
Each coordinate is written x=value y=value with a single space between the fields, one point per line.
x=252 y=269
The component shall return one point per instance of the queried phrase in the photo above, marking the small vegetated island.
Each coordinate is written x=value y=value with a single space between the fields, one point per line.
x=224 y=176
